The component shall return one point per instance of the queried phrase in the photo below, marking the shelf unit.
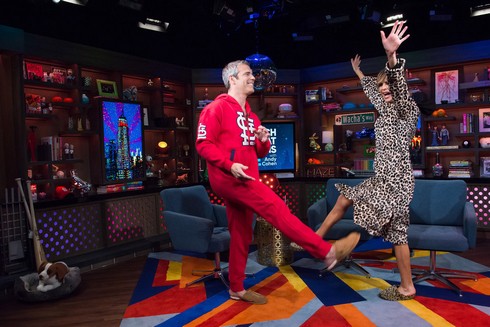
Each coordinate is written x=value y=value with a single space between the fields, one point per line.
x=57 y=126
x=66 y=110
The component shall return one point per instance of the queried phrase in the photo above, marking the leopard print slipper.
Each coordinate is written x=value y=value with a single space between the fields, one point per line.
x=392 y=294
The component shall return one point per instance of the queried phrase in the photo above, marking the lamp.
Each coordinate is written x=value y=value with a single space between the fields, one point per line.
x=161 y=148
x=327 y=139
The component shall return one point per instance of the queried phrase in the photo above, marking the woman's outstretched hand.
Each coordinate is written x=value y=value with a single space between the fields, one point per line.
x=356 y=66
x=392 y=42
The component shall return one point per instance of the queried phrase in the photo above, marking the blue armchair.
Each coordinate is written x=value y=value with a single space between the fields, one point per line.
x=441 y=219
x=317 y=212
x=195 y=224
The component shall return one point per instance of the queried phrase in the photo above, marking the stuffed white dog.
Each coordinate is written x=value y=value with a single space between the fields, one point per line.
x=51 y=275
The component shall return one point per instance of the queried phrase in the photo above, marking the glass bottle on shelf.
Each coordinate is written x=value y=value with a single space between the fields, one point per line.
x=437 y=169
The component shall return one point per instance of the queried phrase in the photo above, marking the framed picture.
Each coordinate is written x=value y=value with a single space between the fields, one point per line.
x=485 y=167
x=312 y=96
x=34 y=71
x=107 y=88
x=446 y=86
x=484 y=119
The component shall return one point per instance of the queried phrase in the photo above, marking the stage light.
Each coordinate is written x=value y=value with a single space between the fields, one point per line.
x=437 y=15
x=298 y=38
x=131 y=4
x=391 y=19
x=480 y=10
x=74 y=2
x=153 y=24
x=331 y=19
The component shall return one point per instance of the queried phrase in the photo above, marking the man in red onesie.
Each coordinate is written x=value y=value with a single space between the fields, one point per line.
x=230 y=138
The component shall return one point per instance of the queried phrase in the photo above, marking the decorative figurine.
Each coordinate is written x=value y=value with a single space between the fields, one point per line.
x=182 y=179
x=87 y=124
x=435 y=136
x=444 y=135
x=348 y=139
x=476 y=78
x=79 y=186
x=179 y=122
x=72 y=151
x=79 y=125
x=70 y=77
x=71 y=123
x=186 y=148
x=149 y=166
x=66 y=151
x=437 y=169
x=313 y=143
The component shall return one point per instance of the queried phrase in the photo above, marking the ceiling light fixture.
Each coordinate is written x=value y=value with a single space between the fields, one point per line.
x=131 y=4
x=74 y=2
x=331 y=19
x=153 y=24
x=391 y=19
x=439 y=15
x=480 y=10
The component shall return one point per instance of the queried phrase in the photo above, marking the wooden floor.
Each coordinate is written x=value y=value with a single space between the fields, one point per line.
x=104 y=295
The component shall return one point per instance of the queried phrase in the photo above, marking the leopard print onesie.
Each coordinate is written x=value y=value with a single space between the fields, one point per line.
x=381 y=202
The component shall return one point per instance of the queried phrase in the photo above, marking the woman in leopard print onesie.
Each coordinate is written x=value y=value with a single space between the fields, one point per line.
x=381 y=202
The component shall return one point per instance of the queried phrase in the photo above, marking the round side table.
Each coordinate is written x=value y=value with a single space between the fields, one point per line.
x=273 y=246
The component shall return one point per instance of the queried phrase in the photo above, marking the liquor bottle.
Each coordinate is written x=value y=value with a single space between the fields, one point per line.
x=437 y=169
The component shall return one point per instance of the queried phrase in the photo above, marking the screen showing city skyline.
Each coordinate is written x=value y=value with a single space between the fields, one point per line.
x=123 y=141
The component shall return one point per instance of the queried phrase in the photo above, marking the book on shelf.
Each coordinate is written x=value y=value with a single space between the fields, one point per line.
x=418 y=172
x=111 y=188
x=460 y=169
x=467 y=123
x=55 y=147
x=453 y=174
x=442 y=147
x=460 y=163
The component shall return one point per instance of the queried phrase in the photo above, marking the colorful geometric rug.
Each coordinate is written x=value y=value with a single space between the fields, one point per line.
x=298 y=296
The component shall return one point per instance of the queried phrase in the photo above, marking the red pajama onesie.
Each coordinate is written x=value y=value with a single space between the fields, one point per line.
x=225 y=136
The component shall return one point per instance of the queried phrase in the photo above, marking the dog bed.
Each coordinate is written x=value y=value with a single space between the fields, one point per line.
x=25 y=287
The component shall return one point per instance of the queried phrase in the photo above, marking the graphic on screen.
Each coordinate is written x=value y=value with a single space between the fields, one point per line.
x=281 y=156
x=123 y=141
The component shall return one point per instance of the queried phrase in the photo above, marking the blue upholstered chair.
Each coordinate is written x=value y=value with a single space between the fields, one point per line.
x=195 y=224
x=317 y=212
x=441 y=219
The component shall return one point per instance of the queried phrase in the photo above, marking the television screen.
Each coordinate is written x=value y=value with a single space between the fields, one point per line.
x=122 y=141
x=281 y=157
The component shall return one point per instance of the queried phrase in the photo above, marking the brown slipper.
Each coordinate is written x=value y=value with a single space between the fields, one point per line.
x=344 y=246
x=392 y=294
x=250 y=297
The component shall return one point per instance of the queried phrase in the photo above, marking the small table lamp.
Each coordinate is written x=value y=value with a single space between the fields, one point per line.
x=327 y=139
